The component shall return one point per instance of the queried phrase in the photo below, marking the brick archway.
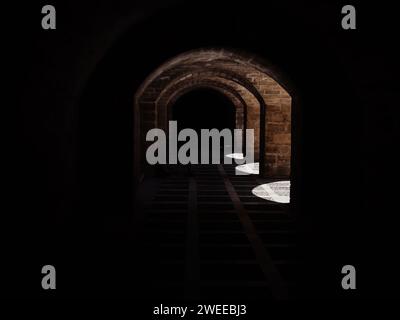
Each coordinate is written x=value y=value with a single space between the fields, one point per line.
x=170 y=96
x=250 y=84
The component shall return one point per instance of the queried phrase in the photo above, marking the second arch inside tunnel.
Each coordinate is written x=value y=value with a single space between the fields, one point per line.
x=205 y=109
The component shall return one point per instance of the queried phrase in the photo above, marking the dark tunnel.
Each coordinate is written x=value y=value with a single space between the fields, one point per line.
x=204 y=109
x=88 y=202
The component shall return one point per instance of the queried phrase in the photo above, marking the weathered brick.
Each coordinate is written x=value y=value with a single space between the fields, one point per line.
x=277 y=117
x=276 y=128
x=273 y=107
x=282 y=138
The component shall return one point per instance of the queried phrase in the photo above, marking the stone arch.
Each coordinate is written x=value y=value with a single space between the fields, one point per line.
x=245 y=74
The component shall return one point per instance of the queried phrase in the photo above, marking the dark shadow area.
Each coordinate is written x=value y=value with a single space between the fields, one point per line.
x=204 y=109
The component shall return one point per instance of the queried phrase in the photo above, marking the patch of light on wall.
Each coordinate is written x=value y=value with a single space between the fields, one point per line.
x=248 y=168
x=274 y=191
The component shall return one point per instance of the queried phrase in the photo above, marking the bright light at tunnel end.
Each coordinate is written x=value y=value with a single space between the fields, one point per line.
x=278 y=191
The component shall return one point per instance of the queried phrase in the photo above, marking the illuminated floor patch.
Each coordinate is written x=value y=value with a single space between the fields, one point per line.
x=275 y=191
x=235 y=156
x=248 y=168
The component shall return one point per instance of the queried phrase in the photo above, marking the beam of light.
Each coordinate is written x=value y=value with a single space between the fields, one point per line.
x=274 y=191
x=248 y=168
x=235 y=156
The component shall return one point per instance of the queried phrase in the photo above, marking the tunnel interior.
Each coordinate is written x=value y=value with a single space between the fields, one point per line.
x=261 y=98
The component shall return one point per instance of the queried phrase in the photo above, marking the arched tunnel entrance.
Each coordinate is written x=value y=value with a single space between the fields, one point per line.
x=261 y=103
